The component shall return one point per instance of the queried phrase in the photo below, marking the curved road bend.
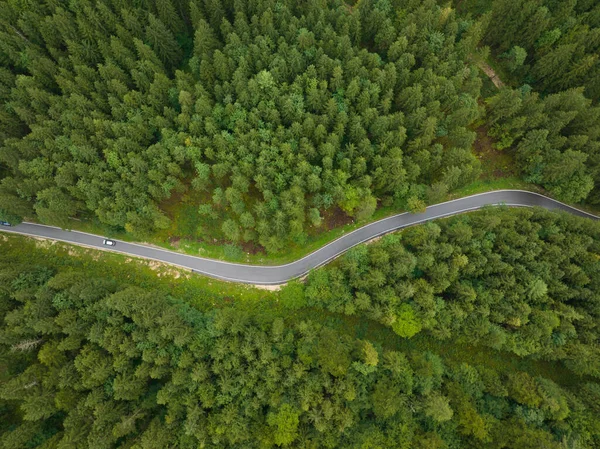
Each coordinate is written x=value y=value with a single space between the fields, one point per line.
x=272 y=275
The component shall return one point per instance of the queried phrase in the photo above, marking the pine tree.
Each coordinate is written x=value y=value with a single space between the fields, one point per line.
x=162 y=42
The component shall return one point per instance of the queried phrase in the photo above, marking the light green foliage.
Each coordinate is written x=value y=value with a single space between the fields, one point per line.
x=537 y=289
x=292 y=295
x=437 y=193
x=406 y=324
x=524 y=389
x=315 y=217
x=365 y=209
x=370 y=354
x=233 y=252
x=415 y=205
x=231 y=230
x=438 y=408
x=285 y=422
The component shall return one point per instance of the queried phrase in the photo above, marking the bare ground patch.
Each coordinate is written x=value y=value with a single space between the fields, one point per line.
x=164 y=269
x=43 y=243
x=334 y=217
x=492 y=75
x=272 y=288
x=495 y=163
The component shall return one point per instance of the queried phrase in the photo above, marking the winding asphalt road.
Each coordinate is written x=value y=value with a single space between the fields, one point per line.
x=273 y=275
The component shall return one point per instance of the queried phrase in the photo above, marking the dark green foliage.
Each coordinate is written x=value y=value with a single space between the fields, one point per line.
x=556 y=139
x=88 y=362
x=553 y=47
x=274 y=111
x=550 y=44
x=524 y=281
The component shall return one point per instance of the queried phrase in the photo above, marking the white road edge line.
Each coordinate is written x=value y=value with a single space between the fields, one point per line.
x=329 y=259
x=333 y=241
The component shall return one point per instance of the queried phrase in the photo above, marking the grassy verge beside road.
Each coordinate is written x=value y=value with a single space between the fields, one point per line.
x=498 y=172
x=204 y=294
x=231 y=253
x=200 y=291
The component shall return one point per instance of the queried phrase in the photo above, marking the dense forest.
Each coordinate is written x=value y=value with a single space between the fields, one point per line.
x=273 y=111
x=274 y=115
x=271 y=115
x=555 y=140
x=552 y=45
x=553 y=131
x=92 y=361
x=524 y=281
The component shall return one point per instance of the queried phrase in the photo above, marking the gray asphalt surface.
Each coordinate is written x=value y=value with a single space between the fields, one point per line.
x=272 y=275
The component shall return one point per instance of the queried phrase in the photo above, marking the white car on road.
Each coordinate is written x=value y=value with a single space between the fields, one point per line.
x=109 y=242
